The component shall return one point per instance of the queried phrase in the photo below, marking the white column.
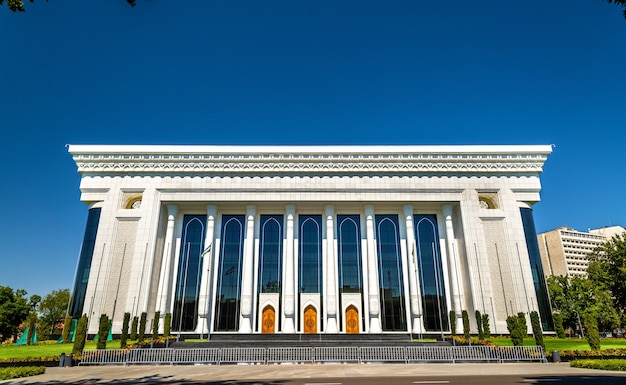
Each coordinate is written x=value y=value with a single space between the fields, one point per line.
x=207 y=262
x=414 y=291
x=372 y=272
x=165 y=278
x=453 y=263
x=247 y=276
x=331 y=272
x=289 y=286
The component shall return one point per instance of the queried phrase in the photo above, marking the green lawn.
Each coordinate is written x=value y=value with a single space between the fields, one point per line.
x=47 y=350
x=566 y=343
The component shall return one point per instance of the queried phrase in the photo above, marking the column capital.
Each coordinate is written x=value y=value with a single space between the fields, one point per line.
x=290 y=210
x=447 y=210
x=330 y=210
x=408 y=210
x=172 y=210
x=211 y=210
x=369 y=210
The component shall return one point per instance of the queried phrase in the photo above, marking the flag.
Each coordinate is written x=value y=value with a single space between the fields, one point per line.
x=206 y=251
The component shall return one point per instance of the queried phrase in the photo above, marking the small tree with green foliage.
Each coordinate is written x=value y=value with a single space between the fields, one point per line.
x=32 y=325
x=486 y=327
x=522 y=324
x=537 y=332
x=155 y=325
x=133 y=329
x=453 y=322
x=558 y=325
x=466 y=325
x=80 y=335
x=103 y=332
x=479 y=325
x=167 y=324
x=67 y=328
x=591 y=331
x=513 y=324
x=124 y=335
x=141 y=335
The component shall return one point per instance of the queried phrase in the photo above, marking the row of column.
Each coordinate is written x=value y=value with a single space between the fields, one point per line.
x=330 y=285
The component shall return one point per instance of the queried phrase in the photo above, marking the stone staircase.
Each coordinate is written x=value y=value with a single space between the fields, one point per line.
x=232 y=340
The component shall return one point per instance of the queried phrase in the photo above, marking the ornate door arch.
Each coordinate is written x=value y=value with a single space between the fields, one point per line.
x=352 y=320
x=268 y=320
x=310 y=320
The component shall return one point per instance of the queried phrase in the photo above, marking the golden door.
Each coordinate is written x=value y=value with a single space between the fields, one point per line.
x=352 y=320
x=268 y=320
x=310 y=320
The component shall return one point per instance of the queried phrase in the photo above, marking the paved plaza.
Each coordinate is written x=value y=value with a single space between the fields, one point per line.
x=271 y=374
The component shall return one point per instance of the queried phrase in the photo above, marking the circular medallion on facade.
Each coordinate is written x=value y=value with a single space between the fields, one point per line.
x=136 y=204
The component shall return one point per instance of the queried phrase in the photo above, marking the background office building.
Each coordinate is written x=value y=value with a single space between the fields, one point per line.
x=309 y=239
x=565 y=251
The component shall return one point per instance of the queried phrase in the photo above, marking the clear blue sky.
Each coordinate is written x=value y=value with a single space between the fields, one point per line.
x=302 y=72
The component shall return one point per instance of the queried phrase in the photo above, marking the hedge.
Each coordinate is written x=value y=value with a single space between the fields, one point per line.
x=613 y=364
x=23 y=371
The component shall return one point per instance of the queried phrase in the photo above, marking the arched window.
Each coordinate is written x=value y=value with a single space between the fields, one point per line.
x=270 y=254
x=310 y=241
x=228 y=295
x=390 y=273
x=431 y=273
x=185 y=315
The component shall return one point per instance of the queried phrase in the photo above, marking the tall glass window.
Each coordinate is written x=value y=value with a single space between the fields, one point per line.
x=390 y=273
x=84 y=263
x=229 y=274
x=430 y=273
x=536 y=268
x=349 y=253
x=310 y=242
x=271 y=254
x=185 y=315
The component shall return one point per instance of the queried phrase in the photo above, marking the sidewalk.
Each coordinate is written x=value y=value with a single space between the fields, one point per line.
x=198 y=373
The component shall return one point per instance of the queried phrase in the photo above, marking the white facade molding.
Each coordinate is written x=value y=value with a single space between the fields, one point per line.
x=164 y=160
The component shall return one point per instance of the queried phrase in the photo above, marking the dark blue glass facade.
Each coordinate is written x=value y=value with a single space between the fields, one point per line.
x=430 y=271
x=310 y=254
x=390 y=273
x=185 y=315
x=271 y=254
x=349 y=257
x=536 y=268
x=84 y=263
x=229 y=274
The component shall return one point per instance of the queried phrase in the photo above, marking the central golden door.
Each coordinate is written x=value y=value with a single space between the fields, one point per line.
x=268 y=320
x=352 y=320
x=310 y=320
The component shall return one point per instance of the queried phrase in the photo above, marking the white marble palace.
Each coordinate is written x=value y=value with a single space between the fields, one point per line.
x=309 y=239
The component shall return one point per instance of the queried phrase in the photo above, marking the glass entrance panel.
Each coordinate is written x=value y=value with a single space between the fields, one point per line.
x=228 y=294
x=390 y=273
x=185 y=315
x=430 y=273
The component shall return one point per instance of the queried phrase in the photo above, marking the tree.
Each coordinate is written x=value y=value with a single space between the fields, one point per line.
x=466 y=324
x=155 y=325
x=571 y=297
x=167 y=324
x=18 y=5
x=51 y=309
x=14 y=308
x=537 y=332
x=142 y=326
x=32 y=327
x=133 y=329
x=67 y=328
x=591 y=331
x=515 y=327
x=558 y=325
x=479 y=325
x=124 y=335
x=607 y=268
x=80 y=336
x=453 y=322
x=486 y=328
x=620 y=3
x=103 y=332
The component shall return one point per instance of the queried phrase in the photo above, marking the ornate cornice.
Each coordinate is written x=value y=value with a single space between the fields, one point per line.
x=310 y=160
